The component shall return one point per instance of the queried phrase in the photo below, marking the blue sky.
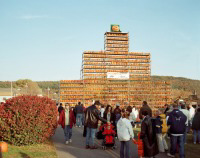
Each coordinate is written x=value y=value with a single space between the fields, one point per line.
x=45 y=39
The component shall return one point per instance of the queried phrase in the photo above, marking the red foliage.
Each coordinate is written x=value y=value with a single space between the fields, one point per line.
x=27 y=120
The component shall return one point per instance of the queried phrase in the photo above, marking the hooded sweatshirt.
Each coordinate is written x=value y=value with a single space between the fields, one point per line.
x=124 y=130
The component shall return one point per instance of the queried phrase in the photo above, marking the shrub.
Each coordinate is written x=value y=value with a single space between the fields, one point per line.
x=26 y=120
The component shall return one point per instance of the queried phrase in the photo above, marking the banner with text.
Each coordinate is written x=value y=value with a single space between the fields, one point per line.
x=118 y=75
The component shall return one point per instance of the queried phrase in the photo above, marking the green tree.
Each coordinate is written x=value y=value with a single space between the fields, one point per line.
x=27 y=87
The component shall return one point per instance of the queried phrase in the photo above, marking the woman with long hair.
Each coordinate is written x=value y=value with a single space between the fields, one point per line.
x=109 y=115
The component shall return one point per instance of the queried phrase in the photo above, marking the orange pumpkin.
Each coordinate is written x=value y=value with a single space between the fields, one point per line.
x=3 y=147
x=115 y=28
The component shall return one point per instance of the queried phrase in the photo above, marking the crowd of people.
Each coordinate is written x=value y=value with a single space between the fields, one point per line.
x=174 y=122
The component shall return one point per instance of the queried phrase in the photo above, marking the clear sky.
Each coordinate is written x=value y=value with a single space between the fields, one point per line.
x=45 y=39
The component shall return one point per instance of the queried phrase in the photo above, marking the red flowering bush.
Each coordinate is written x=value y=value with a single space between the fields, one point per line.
x=27 y=120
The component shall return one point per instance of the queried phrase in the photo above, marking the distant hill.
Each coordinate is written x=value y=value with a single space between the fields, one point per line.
x=180 y=86
x=180 y=83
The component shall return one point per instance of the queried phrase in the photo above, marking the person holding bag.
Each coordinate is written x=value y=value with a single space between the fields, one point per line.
x=125 y=134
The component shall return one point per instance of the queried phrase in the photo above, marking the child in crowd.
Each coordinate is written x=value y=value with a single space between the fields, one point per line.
x=161 y=131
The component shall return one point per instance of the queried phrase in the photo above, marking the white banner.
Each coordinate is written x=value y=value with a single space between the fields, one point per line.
x=118 y=75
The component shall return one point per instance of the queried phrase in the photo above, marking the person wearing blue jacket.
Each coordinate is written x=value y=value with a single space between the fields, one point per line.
x=176 y=121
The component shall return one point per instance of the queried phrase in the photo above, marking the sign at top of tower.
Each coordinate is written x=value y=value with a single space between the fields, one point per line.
x=115 y=28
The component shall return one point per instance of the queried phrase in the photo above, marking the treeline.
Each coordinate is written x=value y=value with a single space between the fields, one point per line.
x=178 y=83
x=48 y=84
x=5 y=84
x=41 y=84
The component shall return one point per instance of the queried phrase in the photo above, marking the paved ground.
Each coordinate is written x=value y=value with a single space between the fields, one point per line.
x=77 y=148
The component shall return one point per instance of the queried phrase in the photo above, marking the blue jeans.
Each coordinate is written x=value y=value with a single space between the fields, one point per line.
x=68 y=132
x=90 y=134
x=125 y=145
x=79 y=118
x=196 y=136
x=174 y=141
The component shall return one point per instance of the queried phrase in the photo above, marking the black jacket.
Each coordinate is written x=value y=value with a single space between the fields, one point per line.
x=148 y=136
x=92 y=117
x=117 y=113
x=196 y=122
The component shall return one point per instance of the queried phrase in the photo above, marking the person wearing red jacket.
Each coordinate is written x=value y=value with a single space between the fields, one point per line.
x=67 y=120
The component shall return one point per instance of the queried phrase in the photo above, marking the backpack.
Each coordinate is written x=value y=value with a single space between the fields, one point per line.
x=164 y=124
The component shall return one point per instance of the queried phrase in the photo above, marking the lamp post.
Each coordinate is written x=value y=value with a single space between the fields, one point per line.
x=18 y=91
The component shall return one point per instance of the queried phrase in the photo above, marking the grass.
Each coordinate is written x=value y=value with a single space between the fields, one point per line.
x=45 y=150
x=191 y=150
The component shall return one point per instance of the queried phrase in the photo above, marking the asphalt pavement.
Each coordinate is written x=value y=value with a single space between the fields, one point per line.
x=76 y=149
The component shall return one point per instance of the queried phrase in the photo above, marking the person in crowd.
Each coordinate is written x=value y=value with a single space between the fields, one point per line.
x=83 y=117
x=109 y=115
x=176 y=121
x=102 y=110
x=162 y=145
x=99 y=108
x=85 y=128
x=191 y=115
x=117 y=112
x=132 y=117
x=72 y=108
x=122 y=106
x=148 y=136
x=135 y=111
x=197 y=106
x=125 y=134
x=186 y=113
x=125 y=105
x=60 y=108
x=91 y=122
x=79 y=114
x=196 y=127
x=170 y=109
x=67 y=120
x=164 y=131
x=145 y=107
x=166 y=106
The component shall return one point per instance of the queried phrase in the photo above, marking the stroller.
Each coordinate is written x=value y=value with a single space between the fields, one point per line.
x=108 y=134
